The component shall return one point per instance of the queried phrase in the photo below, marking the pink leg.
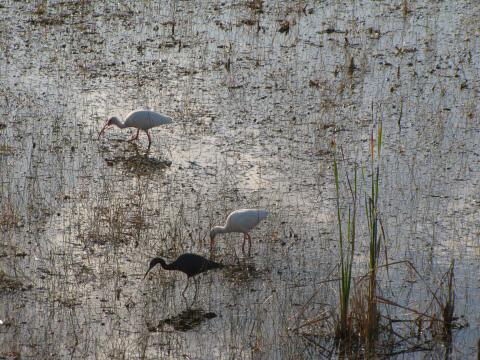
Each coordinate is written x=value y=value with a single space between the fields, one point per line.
x=212 y=247
x=136 y=136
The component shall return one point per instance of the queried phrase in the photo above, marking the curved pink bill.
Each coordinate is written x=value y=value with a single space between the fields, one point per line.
x=103 y=130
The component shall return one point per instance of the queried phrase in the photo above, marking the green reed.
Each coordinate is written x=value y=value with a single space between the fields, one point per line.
x=347 y=248
x=373 y=221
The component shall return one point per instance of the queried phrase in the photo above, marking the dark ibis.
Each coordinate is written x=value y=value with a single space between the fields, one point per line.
x=190 y=264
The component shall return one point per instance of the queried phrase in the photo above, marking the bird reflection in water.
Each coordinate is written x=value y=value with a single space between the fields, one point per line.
x=185 y=321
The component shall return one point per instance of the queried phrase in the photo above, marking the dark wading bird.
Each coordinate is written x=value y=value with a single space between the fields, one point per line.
x=190 y=264
x=239 y=221
x=141 y=120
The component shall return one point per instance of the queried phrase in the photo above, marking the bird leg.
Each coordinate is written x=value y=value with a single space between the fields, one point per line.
x=249 y=244
x=149 y=138
x=183 y=292
x=243 y=244
x=195 y=280
x=212 y=246
x=135 y=137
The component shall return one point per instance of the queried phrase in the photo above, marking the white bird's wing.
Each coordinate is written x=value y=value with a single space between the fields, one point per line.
x=159 y=119
x=244 y=220
x=146 y=119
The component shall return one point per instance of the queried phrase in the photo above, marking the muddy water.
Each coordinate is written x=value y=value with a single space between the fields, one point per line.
x=258 y=92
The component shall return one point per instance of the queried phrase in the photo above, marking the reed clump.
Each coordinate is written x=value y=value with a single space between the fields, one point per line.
x=360 y=323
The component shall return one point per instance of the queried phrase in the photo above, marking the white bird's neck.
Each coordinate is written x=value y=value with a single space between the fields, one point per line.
x=116 y=121
x=219 y=230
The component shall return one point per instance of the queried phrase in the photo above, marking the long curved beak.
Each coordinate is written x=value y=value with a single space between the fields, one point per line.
x=147 y=273
x=103 y=130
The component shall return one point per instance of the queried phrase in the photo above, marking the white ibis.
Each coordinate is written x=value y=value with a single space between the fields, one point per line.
x=190 y=264
x=141 y=120
x=240 y=221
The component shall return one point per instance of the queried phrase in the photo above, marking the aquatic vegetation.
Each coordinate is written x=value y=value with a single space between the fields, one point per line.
x=374 y=223
x=257 y=91
x=347 y=249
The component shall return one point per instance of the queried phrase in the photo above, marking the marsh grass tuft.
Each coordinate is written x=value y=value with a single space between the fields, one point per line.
x=405 y=8
x=360 y=308
x=255 y=5
x=41 y=8
x=6 y=150
x=362 y=322
x=10 y=355
x=9 y=217
x=351 y=67
x=284 y=27
x=114 y=224
x=8 y=283
x=446 y=320
x=449 y=305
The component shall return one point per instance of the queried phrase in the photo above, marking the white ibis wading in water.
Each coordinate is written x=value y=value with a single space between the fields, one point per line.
x=141 y=120
x=239 y=221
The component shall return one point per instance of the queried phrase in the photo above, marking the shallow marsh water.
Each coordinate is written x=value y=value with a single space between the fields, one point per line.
x=258 y=92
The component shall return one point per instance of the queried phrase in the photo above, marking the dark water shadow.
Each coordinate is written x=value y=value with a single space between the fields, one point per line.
x=187 y=320
x=138 y=162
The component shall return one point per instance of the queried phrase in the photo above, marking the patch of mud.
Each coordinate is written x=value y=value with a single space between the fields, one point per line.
x=185 y=321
